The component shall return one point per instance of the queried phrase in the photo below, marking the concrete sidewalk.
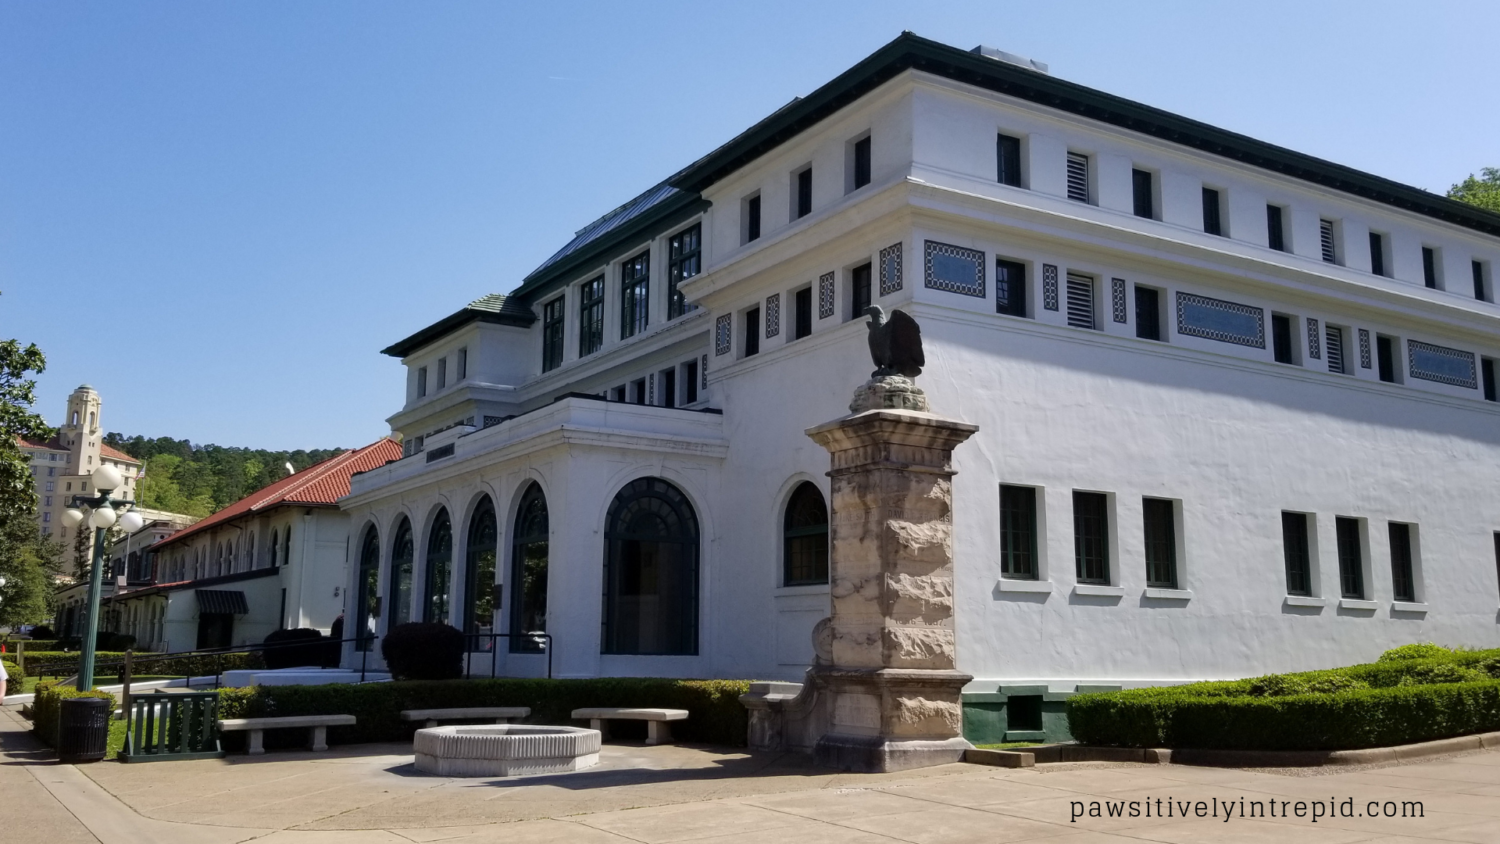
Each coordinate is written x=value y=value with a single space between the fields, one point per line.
x=370 y=793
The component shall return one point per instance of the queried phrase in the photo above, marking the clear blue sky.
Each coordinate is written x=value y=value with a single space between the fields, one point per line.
x=219 y=213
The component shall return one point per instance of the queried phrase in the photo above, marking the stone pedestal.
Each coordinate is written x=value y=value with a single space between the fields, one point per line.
x=888 y=688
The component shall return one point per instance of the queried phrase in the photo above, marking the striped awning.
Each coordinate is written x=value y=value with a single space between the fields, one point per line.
x=222 y=601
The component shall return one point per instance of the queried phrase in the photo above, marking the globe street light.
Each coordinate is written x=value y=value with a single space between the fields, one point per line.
x=103 y=513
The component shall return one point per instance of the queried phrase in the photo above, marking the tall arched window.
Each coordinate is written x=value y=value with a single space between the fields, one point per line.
x=250 y=552
x=275 y=540
x=439 y=569
x=528 y=572
x=651 y=571
x=365 y=591
x=399 y=590
x=805 y=538
x=479 y=576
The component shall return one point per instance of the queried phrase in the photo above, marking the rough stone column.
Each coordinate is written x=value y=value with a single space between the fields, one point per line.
x=888 y=685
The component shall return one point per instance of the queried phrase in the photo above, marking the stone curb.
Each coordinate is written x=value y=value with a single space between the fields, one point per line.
x=1000 y=758
x=1052 y=754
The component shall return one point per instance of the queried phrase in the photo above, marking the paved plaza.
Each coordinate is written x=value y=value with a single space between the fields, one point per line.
x=370 y=793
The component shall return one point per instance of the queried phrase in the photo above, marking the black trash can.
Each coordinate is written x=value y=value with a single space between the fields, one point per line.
x=82 y=729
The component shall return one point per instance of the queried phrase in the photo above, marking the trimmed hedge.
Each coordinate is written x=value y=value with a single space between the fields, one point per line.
x=13 y=672
x=422 y=650
x=58 y=662
x=48 y=703
x=716 y=714
x=1397 y=701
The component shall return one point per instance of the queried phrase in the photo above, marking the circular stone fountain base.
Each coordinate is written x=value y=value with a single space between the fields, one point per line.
x=505 y=750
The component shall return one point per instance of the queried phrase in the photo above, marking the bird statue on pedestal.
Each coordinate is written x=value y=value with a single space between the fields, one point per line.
x=895 y=346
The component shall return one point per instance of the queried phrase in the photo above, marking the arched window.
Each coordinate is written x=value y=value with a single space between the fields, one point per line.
x=528 y=572
x=275 y=537
x=439 y=569
x=250 y=552
x=479 y=576
x=366 y=592
x=651 y=571
x=92 y=417
x=399 y=589
x=805 y=538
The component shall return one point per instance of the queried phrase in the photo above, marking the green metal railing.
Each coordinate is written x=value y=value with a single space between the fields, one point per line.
x=169 y=726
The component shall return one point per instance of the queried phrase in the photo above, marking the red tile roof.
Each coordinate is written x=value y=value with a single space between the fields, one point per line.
x=55 y=444
x=115 y=454
x=319 y=485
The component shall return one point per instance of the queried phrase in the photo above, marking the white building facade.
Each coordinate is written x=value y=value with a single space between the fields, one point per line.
x=1236 y=405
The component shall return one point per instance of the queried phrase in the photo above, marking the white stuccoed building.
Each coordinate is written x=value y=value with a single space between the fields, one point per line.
x=1236 y=404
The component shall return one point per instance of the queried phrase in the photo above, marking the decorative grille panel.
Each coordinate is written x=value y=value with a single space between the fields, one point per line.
x=1364 y=348
x=1314 y=340
x=825 y=296
x=1441 y=364
x=1117 y=297
x=1216 y=319
x=954 y=268
x=890 y=269
x=773 y=314
x=1049 y=286
x=722 y=328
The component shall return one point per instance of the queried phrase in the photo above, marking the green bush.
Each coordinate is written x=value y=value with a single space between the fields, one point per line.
x=1427 y=651
x=63 y=663
x=294 y=648
x=13 y=672
x=421 y=650
x=716 y=714
x=47 y=705
x=1374 y=705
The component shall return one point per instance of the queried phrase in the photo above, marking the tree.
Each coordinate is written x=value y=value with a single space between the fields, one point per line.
x=1483 y=192
x=25 y=559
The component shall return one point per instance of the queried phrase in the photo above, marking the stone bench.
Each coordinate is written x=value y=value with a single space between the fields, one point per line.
x=658 y=731
x=317 y=724
x=501 y=714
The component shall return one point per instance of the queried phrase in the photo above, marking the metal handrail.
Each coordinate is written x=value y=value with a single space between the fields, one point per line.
x=56 y=669
x=471 y=639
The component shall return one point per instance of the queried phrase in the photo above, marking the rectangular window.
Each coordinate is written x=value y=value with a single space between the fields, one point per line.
x=1080 y=300
x=461 y=365
x=668 y=379
x=1008 y=160
x=684 y=260
x=1275 y=228
x=690 y=382
x=1161 y=542
x=1351 y=558
x=590 y=316
x=1078 y=177
x=552 y=334
x=1298 y=551
x=802 y=304
x=1487 y=375
x=861 y=162
x=1385 y=353
x=1147 y=313
x=1477 y=267
x=1091 y=536
x=421 y=381
x=1281 y=338
x=804 y=193
x=1403 y=580
x=442 y=373
x=1144 y=193
x=638 y=391
x=1334 y=340
x=1327 y=241
x=1429 y=267
x=1018 y=532
x=48 y=501
x=1213 y=222
x=46 y=517
x=1377 y=253
x=752 y=332
x=1010 y=287
x=859 y=291
x=617 y=394
x=635 y=295
x=752 y=218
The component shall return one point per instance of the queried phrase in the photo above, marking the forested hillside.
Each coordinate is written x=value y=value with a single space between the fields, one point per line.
x=202 y=479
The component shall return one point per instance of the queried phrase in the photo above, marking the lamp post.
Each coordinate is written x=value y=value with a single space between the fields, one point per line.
x=104 y=512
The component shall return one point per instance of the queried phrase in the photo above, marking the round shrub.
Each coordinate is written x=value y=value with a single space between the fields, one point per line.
x=300 y=646
x=42 y=631
x=1427 y=651
x=424 y=651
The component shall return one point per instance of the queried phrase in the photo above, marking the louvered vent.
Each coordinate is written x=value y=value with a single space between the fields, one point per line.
x=1078 y=177
x=1325 y=233
x=1334 y=343
x=1080 y=301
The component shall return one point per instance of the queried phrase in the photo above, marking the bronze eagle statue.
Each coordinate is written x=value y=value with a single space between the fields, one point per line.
x=895 y=346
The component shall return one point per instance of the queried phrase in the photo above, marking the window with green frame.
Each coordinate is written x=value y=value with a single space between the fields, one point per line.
x=1351 y=558
x=1161 y=542
x=590 y=316
x=552 y=334
x=805 y=538
x=1091 y=537
x=1018 y=559
x=684 y=260
x=635 y=295
x=1297 y=549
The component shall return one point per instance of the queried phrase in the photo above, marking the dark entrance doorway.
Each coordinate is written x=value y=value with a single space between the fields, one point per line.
x=215 y=630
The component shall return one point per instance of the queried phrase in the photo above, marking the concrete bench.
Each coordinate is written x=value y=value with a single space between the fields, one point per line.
x=658 y=731
x=501 y=714
x=257 y=727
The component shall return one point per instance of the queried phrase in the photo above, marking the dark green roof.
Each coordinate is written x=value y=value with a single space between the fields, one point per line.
x=495 y=308
x=912 y=52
